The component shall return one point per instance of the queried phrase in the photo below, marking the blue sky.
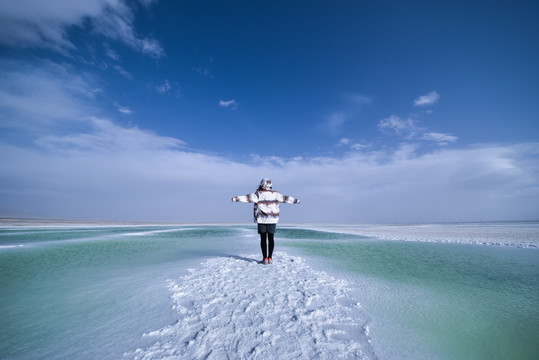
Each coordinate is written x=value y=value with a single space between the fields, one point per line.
x=369 y=111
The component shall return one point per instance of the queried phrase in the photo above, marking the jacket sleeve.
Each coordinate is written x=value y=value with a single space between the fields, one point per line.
x=251 y=198
x=288 y=199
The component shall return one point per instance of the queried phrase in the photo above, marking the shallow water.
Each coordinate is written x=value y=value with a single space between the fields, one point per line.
x=440 y=300
x=92 y=292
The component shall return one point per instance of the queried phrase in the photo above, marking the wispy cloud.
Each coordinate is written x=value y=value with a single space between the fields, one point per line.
x=406 y=127
x=34 y=23
x=409 y=129
x=442 y=139
x=55 y=106
x=351 y=106
x=104 y=136
x=124 y=110
x=148 y=46
x=232 y=104
x=203 y=71
x=427 y=99
x=163 y=88
x=44 y=94
x=349 y=144
x=111 y=53
x=79 y=156
x=147 y=3
x=137 y=182
x=359 y=146
x=343 y=141
x=335 y=120
x=123 y=72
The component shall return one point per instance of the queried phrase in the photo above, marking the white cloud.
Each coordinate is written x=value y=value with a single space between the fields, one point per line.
x=348 y=143
x=44 y=94
x=149 y=47
x=119 y=174
x=111 y=53
x=203 y=71
x=427 y=99
x=229 y=104
x=350 y=109
x=442 y=139
x=398 y=125
x=124 y=110
x=163 y=88
x=123 y=72
x=44 y=24
x=336 y=120
x=359 y=146
x=147 y=3
x=103 y=136
x=79 y=164
x=409 y=129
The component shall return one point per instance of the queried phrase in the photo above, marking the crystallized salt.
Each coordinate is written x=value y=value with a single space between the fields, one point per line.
x=525 y=235
x=234 y=307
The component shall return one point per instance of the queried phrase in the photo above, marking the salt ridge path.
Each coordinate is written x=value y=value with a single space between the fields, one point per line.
x=235 y=308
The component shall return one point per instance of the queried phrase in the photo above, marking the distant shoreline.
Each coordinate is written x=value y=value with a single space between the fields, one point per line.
x=14 y=221
x=60 y=222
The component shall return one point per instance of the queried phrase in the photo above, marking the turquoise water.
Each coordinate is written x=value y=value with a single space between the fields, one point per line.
x=91 y=292
x=449 y=301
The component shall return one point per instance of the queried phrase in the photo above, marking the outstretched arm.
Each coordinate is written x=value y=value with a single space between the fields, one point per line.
x=288 y=199
x=245 y=198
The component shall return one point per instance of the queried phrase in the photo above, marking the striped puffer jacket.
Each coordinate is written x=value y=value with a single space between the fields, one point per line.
x=266 y=208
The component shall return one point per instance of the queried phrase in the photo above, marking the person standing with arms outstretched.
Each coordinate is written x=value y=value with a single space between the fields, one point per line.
x=266 y=214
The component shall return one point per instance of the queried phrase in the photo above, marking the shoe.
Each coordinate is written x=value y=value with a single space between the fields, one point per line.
x=269 y=261
x=266 y=261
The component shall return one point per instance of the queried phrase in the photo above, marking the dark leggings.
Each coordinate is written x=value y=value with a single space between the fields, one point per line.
x=267 y=253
